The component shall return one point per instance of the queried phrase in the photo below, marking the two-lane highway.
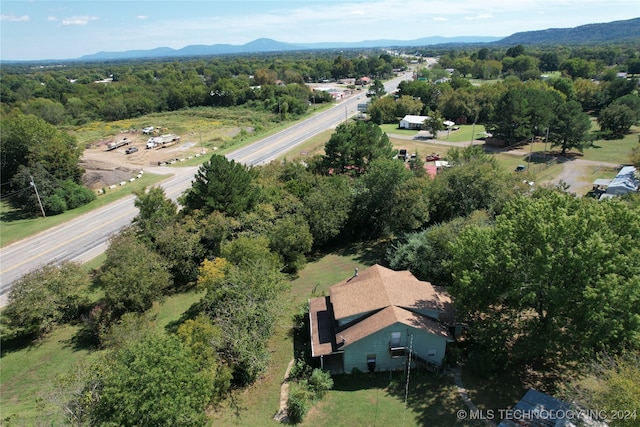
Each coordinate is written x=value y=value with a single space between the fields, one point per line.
x=85 y=237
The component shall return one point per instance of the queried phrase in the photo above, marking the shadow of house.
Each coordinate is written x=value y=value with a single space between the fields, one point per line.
x=379 y=320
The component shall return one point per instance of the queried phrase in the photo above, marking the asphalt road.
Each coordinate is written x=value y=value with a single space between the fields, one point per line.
x=87 y=236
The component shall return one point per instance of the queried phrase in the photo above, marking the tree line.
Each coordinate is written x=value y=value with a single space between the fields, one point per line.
x=75 y=94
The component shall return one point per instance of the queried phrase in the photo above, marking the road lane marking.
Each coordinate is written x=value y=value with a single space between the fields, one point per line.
x=63 y=243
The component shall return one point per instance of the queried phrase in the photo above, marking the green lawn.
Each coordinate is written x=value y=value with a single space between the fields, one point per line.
x=379 y=399
x=612 y=150
x=28 y=371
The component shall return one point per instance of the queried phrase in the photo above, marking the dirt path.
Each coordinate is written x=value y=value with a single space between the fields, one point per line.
x=457 y=377
x=281 y=415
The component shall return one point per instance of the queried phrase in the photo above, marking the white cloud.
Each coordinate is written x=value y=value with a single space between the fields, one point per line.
x=439 y=18
x=142 y=17
x=78 y=20
x=480 y=16
x=13 y=18
x=52 y=18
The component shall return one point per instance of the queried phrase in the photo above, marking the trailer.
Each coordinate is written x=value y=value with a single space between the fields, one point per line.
x=120 y=143
x=167 y=140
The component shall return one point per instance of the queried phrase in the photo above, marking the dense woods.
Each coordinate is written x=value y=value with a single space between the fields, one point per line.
x=538 y=277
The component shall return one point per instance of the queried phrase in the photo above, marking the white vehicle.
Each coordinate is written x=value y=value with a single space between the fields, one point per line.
x=148 y=130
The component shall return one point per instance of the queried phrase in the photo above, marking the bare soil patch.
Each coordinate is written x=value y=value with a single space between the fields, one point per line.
x=104 y=168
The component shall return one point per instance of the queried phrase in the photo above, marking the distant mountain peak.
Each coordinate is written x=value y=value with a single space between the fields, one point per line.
x=590 y=33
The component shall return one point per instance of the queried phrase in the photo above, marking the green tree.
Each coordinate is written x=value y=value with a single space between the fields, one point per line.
x=156 y=212
x=616 y=119
x=510 y=120
x=244 y=305
x=632 y=101
x=382 y=201
x=132 y=276
x=474 y=182
x=355 y=145
x=221 y=185
x=570 y=127
x=327 y=207
x=250 y=249
x=376 y=90
x=548 y=282
x=45 y=297
x=610 y=384
x=27 y=140
x=407 y=105
x=291 y=239
x=152 y=382
x=434 y=123
x=383 y=110
x=426 y=253
x=204 y=340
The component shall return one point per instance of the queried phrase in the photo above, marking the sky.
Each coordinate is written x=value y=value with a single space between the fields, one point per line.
x=50 y=29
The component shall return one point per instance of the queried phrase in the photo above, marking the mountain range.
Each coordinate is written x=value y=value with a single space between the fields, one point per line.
x=617 y=31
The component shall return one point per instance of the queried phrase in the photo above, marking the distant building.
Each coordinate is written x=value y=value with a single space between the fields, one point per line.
x=412 y=122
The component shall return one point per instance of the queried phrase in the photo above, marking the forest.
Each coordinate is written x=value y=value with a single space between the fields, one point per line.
x=542 y=279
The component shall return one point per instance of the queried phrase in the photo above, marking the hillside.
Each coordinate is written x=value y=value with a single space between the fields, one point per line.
x=617 y=31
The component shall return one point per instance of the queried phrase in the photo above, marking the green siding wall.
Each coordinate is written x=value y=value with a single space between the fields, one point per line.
x=355 y=354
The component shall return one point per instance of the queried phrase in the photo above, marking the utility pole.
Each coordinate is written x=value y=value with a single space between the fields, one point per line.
x=473 y=133
x=33 y=184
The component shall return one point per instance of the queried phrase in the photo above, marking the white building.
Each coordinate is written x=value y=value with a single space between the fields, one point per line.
x=412 y=122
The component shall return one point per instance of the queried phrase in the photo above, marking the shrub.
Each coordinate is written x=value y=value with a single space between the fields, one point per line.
x=300 y=370
x=299 y=402
x=319 y=382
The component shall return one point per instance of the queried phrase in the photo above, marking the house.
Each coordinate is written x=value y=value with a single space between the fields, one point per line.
x=363 y=81
x=412 y=122
x=376 y=319
x=537 y=409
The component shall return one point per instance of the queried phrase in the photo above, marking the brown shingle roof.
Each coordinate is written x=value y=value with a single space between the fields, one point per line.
x=322 y=327
x=378 y=287
x=387 y=317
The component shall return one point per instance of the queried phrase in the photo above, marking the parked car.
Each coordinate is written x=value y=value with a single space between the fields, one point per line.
x=433 y=157
x=413 y=157
x=403 y=154
x=520 y=168
x=131 y=150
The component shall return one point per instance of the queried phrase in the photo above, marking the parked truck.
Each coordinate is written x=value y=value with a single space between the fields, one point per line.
x=120 y=143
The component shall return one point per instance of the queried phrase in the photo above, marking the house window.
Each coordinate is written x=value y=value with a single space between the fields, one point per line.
x=431 y=353
x=395 y=339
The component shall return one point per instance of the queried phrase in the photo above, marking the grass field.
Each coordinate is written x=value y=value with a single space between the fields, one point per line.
x=28 y=371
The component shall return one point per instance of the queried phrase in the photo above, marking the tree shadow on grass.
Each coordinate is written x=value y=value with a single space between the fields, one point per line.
x=368 y=252
x=431 y=397
x=15 y=214
x=12 y=345
x=191 y=313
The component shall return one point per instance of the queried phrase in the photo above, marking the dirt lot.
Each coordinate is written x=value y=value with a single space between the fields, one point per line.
x=104 y=168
